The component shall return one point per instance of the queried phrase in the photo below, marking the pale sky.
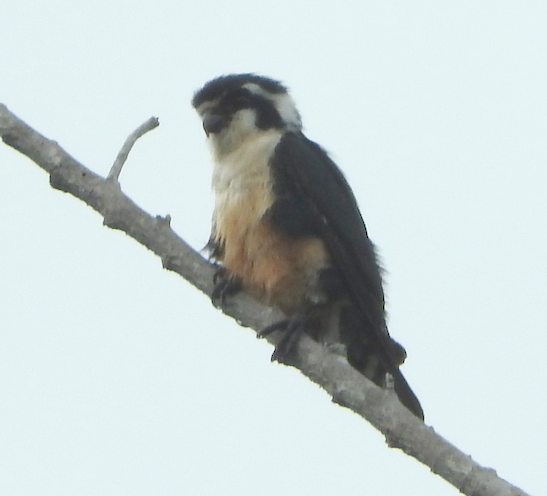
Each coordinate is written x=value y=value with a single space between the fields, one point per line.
x=119 y=378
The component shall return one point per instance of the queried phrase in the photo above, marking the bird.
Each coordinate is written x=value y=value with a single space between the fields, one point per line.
x=287 y=229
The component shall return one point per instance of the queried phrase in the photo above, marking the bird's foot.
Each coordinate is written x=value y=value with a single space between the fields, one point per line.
x=225 y=285
x=292 y=328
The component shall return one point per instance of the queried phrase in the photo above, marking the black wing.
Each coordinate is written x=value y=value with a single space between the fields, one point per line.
x=304 y=172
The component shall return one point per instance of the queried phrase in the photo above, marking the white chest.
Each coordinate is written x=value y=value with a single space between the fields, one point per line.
x=242 y=179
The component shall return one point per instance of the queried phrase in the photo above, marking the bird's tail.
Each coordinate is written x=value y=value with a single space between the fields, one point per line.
x=364 y=355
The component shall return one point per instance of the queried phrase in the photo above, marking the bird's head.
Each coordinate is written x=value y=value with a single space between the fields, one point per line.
x=236 y=107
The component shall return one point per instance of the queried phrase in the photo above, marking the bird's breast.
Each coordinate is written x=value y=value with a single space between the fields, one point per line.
x=276 y=268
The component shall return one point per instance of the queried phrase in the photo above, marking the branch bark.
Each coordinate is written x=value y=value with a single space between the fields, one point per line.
x=330 y=370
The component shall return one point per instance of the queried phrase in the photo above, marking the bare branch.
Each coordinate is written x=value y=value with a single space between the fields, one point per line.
x=114 y=174
x=324 y=367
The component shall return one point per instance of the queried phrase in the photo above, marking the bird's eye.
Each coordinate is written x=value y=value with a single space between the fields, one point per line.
x=243 y=98
x=237 y=100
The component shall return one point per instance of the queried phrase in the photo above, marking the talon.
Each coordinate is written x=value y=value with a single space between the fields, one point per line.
x=276 y=326
x=286 y=344
x=292 y=328
x=224 y=285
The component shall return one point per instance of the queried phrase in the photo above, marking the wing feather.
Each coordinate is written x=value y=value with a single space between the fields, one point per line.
x=302 y=169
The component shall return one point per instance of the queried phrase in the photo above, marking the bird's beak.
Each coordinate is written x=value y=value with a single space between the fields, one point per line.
x=213 y=123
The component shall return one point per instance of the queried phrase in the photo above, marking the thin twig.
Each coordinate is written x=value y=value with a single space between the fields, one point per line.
x=114 y=174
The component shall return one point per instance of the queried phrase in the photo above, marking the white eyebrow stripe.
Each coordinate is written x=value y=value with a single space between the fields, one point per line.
x=283 y=103
x=287 y=110
x=256 y=89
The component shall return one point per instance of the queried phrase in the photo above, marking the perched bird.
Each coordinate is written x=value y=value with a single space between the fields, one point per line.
x=287 y=229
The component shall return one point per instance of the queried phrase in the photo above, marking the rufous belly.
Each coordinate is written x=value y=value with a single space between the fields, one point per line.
x=275 y=268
